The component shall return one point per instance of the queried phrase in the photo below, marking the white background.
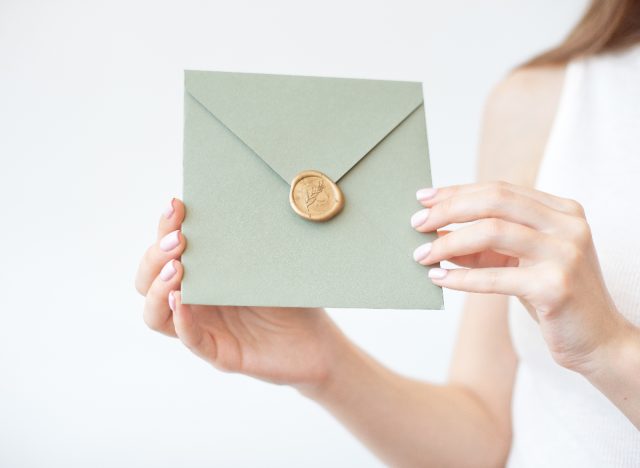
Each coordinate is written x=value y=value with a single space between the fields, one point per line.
x=90 y=145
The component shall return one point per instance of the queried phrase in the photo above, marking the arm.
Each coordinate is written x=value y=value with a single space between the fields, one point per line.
x=614 y=369
x=538 y=247
x=411 y=423
x=465 y=422
x=404 y=421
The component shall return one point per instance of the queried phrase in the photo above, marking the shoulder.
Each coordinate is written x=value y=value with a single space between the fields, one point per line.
x=526 y=84
x=517 y=120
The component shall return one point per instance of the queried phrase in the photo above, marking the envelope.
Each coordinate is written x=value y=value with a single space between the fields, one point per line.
x=246 y=138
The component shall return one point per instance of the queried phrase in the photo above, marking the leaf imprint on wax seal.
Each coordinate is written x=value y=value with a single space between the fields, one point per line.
x=315 y=197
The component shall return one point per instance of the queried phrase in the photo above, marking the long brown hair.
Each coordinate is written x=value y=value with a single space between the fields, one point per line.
x=606 y=25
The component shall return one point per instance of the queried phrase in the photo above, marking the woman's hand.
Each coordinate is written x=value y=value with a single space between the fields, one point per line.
x=282 y=345
x=532 y=245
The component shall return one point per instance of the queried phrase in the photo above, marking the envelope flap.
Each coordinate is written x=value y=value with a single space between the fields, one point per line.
x=295 y=123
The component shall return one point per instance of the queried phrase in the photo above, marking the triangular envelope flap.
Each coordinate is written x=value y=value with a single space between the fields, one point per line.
x=295 y=123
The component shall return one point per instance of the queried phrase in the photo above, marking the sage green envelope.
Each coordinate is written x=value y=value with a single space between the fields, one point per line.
x=246 y=136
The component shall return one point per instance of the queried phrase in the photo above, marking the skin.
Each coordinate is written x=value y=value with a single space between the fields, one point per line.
x=526 y=243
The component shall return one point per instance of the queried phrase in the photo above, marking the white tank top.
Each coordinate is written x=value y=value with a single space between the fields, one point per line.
x=593 y=156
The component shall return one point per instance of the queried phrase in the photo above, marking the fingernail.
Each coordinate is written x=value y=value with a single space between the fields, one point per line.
x=168 y=270
x=426 y=193
x=172 y=302
x=422 y=252
x=419 y=218
x=168 y=212
x=437 y=273
x=170 y=241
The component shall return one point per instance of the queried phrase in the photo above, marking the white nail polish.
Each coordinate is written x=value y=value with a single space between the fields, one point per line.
x=172 y=302
x=426 y=193
x=168 y=212
x=437 y=273
x=170 y=241
x=419 y=218
x=422 y=252
x=168 y=270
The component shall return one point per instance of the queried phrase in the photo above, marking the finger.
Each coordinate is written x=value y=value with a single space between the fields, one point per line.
x=490 y=234
x=168 y=247
x=189 y=331
x=488 y=258
x=171 y=218
x=429 y=197
x=480 y=259
x=157 y=313
x=507 y=280
x=493 y=203
x=484 y=259
x=156 y=256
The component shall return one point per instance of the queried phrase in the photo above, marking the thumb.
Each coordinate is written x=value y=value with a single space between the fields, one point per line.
x=189 y=330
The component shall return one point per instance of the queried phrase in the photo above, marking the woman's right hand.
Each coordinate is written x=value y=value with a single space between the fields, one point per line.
x=284 y=345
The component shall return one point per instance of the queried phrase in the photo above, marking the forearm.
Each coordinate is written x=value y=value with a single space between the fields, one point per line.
x=615 y=371
x=406 y=422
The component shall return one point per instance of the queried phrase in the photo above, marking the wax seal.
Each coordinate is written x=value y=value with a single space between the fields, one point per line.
x=315 y=197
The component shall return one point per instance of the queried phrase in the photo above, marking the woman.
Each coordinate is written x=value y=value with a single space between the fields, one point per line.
x=555 y=381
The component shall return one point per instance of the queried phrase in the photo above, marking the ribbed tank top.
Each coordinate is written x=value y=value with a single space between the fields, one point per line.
x=592 y=156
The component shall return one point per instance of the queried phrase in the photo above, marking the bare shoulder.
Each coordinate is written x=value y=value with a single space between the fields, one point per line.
x=517 y=120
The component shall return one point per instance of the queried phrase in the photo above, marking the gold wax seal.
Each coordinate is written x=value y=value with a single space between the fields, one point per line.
x=315 y=197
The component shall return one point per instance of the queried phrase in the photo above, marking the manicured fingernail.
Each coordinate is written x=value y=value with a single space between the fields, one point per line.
x=168 y=212
x=421 y=252
x=419 y=218
x=437 y=273
x=170 y=241
x=172 y=302
x=426 y=193
x=168 y=270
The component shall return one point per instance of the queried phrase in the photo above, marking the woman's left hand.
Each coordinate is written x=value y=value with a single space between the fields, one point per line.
x=528 y=244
